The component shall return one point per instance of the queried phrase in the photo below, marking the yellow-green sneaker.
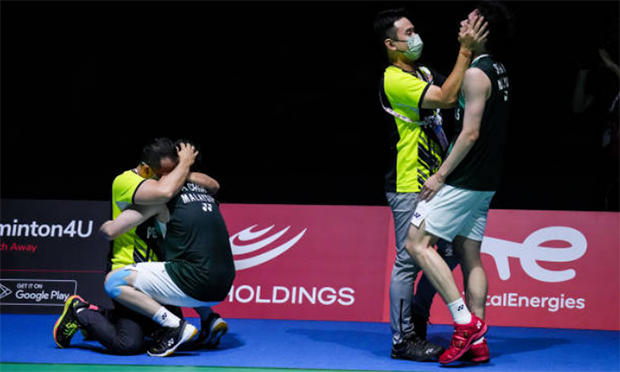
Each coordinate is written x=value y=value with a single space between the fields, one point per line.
x=67 y=325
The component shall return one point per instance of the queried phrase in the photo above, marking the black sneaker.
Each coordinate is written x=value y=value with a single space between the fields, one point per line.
x=169 y=339
x=211 y=330
x=67 y=325
x=416 y=349
x=420 y=325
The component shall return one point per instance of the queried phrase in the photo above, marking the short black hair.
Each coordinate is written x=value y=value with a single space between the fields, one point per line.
x=501 y=26
x=156 y=150
x=384 y=23
x=190 y=142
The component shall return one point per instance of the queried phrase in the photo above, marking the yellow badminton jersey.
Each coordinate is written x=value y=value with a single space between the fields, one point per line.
x=140 y=243
x=414 y=157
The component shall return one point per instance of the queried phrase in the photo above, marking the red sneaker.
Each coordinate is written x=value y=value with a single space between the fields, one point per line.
x=478 y=353
x=463 y=336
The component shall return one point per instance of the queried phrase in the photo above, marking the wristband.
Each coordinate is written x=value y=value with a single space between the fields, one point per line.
x=465 y=53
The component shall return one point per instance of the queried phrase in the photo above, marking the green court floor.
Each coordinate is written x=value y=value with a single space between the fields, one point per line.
x=27 y=367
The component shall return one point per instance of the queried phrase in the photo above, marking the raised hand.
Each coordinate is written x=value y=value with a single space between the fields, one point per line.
x=187 y=153
x=609 y=62
x=470 y=36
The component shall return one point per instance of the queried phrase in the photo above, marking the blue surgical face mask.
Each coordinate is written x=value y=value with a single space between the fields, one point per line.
x=414 y=47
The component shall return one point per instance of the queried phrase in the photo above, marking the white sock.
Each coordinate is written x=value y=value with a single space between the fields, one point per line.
x=459 y=311
x=478 y=341
x=166 y=319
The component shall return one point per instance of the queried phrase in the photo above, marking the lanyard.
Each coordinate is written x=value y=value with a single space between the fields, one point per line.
x=434 y=122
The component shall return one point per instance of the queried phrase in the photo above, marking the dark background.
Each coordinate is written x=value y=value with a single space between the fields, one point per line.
x=280 y=96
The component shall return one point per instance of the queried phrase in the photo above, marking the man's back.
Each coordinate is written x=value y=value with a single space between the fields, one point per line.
x=481 y=168
x=197 y=247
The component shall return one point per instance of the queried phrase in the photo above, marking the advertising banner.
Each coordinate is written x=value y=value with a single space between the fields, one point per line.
x=545 y=268
x=307 y=262
x=50 y=250
x=549 y=269
x=553 y=269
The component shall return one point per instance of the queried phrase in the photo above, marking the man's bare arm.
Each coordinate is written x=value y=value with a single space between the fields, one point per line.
x=131 y=218
x=205 y=181
x=153 y=192
x=476 y=89
x=447 y=95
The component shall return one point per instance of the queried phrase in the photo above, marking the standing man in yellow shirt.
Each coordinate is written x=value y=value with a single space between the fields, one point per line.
x=410 y=95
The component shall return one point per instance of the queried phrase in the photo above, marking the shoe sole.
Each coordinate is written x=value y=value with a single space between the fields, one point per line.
x=482 y=359
x=428 y=359
x=477 y=360
x=219 y=329
x=64 y=312
x=480 y=334
x=414 y=360
x=189 y=332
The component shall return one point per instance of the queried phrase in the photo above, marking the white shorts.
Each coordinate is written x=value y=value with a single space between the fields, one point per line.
x=153 y=280
x=454 y=211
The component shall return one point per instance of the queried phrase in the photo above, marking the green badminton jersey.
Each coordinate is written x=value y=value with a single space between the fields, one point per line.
x=140 y=243
x=414 y=156
x=197 y=247
x=482 y=166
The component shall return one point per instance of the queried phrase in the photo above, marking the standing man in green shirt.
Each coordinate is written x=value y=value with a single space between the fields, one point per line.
x=455 y=201
x=413 y=95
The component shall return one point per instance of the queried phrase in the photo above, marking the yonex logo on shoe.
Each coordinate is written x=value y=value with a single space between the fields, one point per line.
x=238 y=248
x=478 y=324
